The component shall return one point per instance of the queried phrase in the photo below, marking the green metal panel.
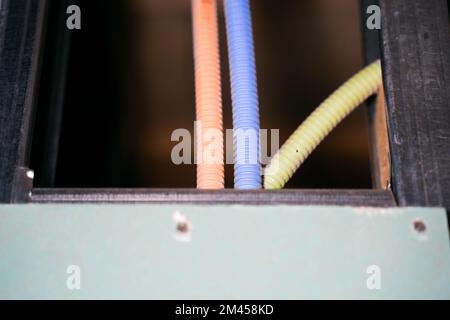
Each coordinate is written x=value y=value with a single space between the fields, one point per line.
x=229 y=251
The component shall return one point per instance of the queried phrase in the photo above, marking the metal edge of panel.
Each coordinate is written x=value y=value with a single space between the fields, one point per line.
x=344 y=197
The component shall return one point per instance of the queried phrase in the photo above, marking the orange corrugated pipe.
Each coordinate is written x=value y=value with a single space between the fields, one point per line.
x=208 y=96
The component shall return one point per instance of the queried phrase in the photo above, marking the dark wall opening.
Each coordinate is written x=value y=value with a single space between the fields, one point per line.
x=130 y=83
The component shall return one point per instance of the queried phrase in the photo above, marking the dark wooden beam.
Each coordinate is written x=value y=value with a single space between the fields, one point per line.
x=416 y=67
x=21 y=25
x=376 y=107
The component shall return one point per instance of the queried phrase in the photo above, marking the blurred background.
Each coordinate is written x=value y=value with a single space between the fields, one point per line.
x=130 y=83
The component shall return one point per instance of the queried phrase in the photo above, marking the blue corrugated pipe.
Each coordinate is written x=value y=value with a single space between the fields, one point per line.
x=244 y=94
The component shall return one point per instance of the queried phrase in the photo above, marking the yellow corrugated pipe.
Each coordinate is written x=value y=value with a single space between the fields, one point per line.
x=320 y=123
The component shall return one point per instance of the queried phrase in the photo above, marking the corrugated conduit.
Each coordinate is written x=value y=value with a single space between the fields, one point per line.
x=320 y=123
x=247 y=172
x=208 y=97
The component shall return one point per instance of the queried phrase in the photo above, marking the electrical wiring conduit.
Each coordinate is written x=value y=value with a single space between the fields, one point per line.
x=320 y=123
x=208 y=97
x=244 y=95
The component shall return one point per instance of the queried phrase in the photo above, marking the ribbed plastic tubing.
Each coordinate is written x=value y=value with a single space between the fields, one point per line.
x=244 y=94
x=208 y=96
x=320 y=123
